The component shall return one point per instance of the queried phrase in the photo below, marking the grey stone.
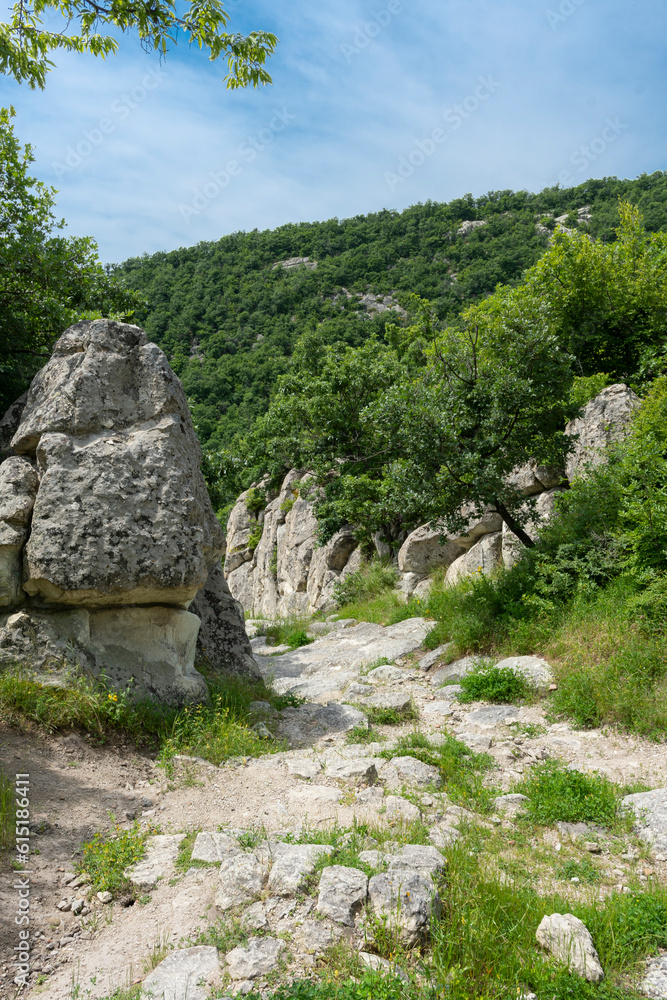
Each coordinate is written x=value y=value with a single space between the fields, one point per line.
x=258 y=958
x=413 y=771
x=292 y=863
x=485 y=557
x=456 y=671
x=440 y=708
x=569 y=940
x=304 y=769
x=161 y=852
x=650 y=809
x=407 y=900
x=512 y=804
x=342 y=893
x=222 y=643
x=308 y=723
x=654 y=983
x=215 y=847
x=363 y=769
x=186 y=974
x=372 y=796
x=398 y=701
x=533 y=669
x=18 y=489
x=378 y=964
x=385 y=675
x=375 y=859
x=240 y=878
x=360 y=690
x=254 y=917
x=423 y=550
x=440 y=653
x=443 y=834
x=104 y=897
x=262 y=708
x=315 y=936
x=493 y=715
x=575 y=831
x=427 y=861
x=400 y=809
x=604 y=420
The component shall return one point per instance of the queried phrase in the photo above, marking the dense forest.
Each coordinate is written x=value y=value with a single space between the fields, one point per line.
x=229 y=318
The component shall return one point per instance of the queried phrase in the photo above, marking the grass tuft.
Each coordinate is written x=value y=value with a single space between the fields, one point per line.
x=498 y=685
x=105 y=859
x=557 y=793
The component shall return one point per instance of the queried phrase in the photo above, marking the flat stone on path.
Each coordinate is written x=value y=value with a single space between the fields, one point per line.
x=650 y=808
x=399 y=808
x=435 y=655
x=363 y=769
x=385 y=675
x=214 y=847
x=512 y=804
x=240 y=878
x=493 y=715
x=259 y=957
x=184 y=975
x=533 y=669
x=569 y=940
x=292 y=863
x=398 y=701
x=414 y=772
x=307 y=723
x=342 y=893
x=315 y=936
x=308 y=799
x=406 y=899
x=456 y=671
x=161 y=852
x=654 y=984
x=304 y=769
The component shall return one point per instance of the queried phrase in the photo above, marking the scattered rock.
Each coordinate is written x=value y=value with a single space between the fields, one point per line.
x=512 y=804
x=363 y=769
x=385 y=674
x=378 y=964
x=254 y=917
x=240 y=879
x=161 y=852
x=654 y=984
x=258 y=958
x=533 y=669
x=342 y=893
x=413 y=771
x=292 y=863
x=314 y=936
x=304 y=769
x=105 y=897
x=399 y=808
x=455 y=672
x=398 y=701
x=426 y=861
x=407 y=900
x=430 y=659
x=568 y=938
x=650 y=808
x=187 y=974
x=214 y=847
x=475 y=741
x=492 y=715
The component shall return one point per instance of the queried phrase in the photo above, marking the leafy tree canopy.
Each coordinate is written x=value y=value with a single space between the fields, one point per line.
x=25 y=44
x=47 y=282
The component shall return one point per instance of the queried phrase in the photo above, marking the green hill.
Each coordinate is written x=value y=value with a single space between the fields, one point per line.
x=228 y=318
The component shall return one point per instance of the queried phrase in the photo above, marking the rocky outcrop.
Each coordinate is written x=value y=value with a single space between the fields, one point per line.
x=274 y=565
x=603 y=421
x=107 y=533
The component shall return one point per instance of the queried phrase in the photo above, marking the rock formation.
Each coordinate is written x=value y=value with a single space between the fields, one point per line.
x=274 y=566
x=122 y=536
x=284 y=571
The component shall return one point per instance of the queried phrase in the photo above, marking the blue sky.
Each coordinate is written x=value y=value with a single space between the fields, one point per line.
x=374 y=105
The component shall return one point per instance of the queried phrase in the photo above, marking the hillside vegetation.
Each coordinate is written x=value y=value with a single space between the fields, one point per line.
x=228 y=319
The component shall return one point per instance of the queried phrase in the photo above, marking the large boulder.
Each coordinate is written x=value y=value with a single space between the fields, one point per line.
x=222 y=644
x=603 y=421
x=122 y=527
x=485 y=557
x=274 y=564
x=427 y=548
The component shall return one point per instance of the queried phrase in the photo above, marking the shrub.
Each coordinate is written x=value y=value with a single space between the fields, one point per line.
x=256 y=500
x=6 y=813
x=557 y=793
x=461 y=770
x=500 y=686
x=368 y=582
x=105 y=859
x=255 y=536
x=292 y=632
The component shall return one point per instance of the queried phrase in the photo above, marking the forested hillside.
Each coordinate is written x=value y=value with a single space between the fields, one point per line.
x=228 y=318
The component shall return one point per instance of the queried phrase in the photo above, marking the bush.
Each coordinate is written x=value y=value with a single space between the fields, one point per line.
x=6 y=813
x=556 y=794
x=368 y=582
x=105 y=859
x=500 y=686
x=292 y=632
x=461 y=770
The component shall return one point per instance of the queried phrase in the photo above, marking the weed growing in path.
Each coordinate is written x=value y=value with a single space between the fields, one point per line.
x=105 y=859
x=557 y=793
x=461 y=770
x=501 y=686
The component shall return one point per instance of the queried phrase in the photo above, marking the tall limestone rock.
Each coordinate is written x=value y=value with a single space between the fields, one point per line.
x=122 y=537
x=274 y=565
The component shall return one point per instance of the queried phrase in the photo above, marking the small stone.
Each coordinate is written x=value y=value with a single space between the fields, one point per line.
x=385 y=675
x=371 y=796
x=435 y=655
x=426 y=861
x=407 y=900
x=254 y=917
x=315 y=936
x=592 y=847
x=342 y=893
x=649 y=871
x=261 y=730
x=654 y=983
x=512 y=804
x=568 y=938
x=304 y=769
x=533 y=669
x=214 y=847
x=363 y=769
x=398 y=701
x=292 y=863
x=650 y=809
x=77 y=906
x=105 y=897
x=400 y=808
x=411 y=770
x=259 y=957
x=161 y=852
x=64 y=906
x=240 y=879
x=378 y=964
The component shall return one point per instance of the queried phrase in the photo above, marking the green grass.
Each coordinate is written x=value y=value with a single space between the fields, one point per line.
x=359 y=734
x=557 y=793
x=369 y=986
x=6 y=813
x=583 y=869
x=216 y=731
x=105 y=858
x=292 y=632
x=500 y=686
x=461 y=770
x=379 y=716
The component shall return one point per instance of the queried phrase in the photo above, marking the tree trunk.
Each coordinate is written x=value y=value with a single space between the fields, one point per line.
x=515 y=528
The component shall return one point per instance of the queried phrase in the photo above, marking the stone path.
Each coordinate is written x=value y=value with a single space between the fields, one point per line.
x=293 y=898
